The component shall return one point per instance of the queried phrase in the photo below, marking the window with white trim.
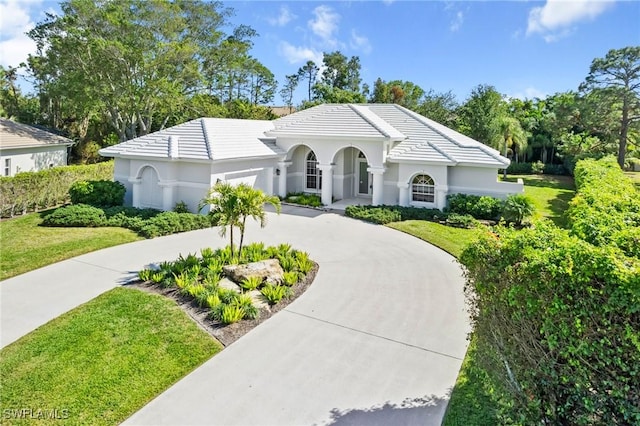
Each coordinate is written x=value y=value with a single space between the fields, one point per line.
x=7 y=166
x=313 y=174
x=423 y=189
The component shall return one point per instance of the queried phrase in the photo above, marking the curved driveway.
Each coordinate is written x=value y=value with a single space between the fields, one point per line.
x=377 y=339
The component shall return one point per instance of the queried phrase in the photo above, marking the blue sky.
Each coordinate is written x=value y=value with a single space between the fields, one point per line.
x=523 y=48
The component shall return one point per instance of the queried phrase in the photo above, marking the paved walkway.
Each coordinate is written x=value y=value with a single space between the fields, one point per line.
x=377 y=339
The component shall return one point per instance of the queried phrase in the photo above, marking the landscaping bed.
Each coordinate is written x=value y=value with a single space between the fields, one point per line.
x=202 y=288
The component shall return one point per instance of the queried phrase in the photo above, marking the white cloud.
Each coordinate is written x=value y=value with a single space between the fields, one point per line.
x=15 y=21
x=325 y=24
x=298 y=54
x=457 y=22
x=284 y=17
x=529 y=93
x=360 y=42
x=556 y=18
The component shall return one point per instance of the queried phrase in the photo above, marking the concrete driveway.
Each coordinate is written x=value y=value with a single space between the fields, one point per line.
x=377 y=339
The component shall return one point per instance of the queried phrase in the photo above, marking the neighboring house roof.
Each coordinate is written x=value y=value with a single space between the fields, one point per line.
x=17 y=135
x=202 y=139
x=417 y=138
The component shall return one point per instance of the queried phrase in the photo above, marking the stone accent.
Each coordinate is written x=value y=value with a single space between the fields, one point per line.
x=258 y=299
x=267 y=270
x=228 y=284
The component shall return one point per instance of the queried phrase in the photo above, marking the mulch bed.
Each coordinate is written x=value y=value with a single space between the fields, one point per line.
x=225 y=334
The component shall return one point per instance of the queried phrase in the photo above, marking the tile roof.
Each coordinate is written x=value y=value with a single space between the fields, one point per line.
x=18 y=135
x=202 y=139
x=428 y=140
x=417 y=138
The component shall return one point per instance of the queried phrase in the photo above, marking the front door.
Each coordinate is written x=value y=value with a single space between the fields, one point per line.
x=363 y=174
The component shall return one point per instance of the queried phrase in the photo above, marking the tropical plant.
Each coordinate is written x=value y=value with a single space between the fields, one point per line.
x=290 y=278
x=288 y=262
x=251 y=283
x=245 y=302
x=144 y=275
x=275 y=293
x=232 y=205
x=517 y=208
x=230 y=314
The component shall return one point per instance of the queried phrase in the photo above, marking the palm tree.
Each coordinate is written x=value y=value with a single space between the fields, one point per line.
x=223 y=201
x=232 y=205
x=251 y=204
x=511 y=135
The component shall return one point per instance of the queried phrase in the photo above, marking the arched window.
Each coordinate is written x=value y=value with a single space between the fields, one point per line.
x=422 y=189
x=314 y=176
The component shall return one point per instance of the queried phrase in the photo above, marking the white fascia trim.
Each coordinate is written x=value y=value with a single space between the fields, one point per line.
x=238 y=159
x=429 y=163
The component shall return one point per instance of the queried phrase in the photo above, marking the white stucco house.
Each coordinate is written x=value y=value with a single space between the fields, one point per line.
x=26 y=148
x=346 y=153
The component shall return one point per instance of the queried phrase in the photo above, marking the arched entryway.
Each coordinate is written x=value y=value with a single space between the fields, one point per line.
x=150 y=190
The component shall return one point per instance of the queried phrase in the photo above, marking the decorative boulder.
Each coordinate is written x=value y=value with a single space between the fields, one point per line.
x=267 y=270
x=229 y=285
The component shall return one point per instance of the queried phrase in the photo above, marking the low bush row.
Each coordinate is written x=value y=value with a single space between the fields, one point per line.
x=198 y=278
x=537 y=168
x=303 y=199
x=32 y=191
x=606 y=208
x=148 y=223
x=462 y=211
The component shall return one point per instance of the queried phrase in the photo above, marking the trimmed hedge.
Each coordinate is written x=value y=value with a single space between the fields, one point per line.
x=148 y=223
x=32 y=191
x=387 y=214
x=480 y=207
x=606 y=208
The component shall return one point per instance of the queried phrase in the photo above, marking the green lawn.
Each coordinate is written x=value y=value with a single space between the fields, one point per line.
x=452 y=240
x=102 y=361
x=550 y=194
x=26 y=246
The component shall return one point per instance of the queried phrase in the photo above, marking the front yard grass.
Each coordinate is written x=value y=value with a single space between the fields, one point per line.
x=450 y=239
x=550 y=194
x=102 y=361
x=25 y=246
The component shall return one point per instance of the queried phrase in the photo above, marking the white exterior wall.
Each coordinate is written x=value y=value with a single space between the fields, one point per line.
x=406 y=173
x=33 y=159
x=187 y=181
x=480 y=181
x=391 y=190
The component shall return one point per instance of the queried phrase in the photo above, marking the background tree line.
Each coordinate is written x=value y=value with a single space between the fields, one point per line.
x=109 y=72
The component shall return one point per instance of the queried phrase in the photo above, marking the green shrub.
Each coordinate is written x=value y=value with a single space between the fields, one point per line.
x=557 y=324
x=461 y=220
x=100 y=193
x=181 y=207
x=213 y=301
x=227 y=295
x=144 y=275
x=606 y=208
x=517 y=208
x=288 y=262
x=519 y=168
x=303 y=263
x=275 y=293
x=167 y=223
x=76 y=215
x=303 y=199
x=480 y=207
x=30 y=191
x=537 y=167
x=379 y=215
